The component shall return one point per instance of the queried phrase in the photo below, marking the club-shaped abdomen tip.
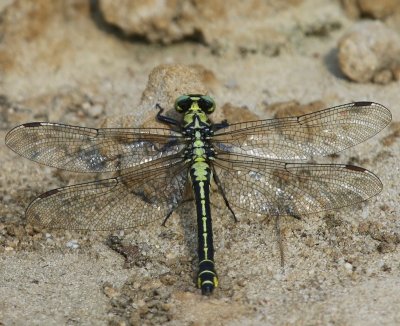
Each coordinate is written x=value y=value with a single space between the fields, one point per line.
x=207 y=288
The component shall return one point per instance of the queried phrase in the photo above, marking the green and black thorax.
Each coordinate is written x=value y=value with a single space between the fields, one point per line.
x=196 y=126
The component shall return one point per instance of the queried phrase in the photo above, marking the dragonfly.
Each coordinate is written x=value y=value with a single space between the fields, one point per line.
x=261 y=167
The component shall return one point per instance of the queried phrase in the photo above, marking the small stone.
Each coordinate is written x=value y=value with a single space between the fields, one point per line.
x=151 y=284
x=96 y=110
x=121 y=301
x=143 y=311
x=110 y=291
x=29 y=230
x=171 y=259
x=370 y=52
x=371 y=8
x=385 y=247
x=168 y=279
x=12 y=243
x=241 y=283
x=386 y=268
x=348 y=267
x=378 y=9
x=73 y=244
x=166 y=306
x=278 y=277
x=383 y=77
x=86 y=105
x=396 y=73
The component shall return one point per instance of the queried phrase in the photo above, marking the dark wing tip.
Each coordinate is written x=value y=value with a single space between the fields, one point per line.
x=355 y=168
x=48 y=193
x=31 y=124
x=363 y=103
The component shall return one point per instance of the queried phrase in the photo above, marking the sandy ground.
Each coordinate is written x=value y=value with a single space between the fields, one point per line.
x=63 y=65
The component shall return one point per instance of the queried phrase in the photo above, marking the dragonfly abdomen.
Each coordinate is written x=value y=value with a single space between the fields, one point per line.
x=200 y=174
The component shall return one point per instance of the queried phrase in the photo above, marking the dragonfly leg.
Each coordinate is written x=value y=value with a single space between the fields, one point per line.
x=165 y=119
x=166 y=218
x=218 y=182
x=297 y=217
x=279 y=236
x=169 y=213
x=221 y=125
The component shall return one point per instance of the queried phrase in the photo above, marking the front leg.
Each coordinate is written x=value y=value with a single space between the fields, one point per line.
x=220 y=125
x=164 y=119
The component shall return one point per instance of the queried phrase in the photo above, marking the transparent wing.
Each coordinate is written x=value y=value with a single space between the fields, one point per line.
x=278 y=188
x=80 y=149
x=127 y=201
x=300 y=138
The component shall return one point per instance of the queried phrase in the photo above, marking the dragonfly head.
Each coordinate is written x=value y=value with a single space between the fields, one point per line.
x=195 y=102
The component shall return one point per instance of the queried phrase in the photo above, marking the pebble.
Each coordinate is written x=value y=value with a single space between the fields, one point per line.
x=110 y=291
x=370 y=52
x=348 y=267
x=73 y=244
x=278 y=277
x=371 y=8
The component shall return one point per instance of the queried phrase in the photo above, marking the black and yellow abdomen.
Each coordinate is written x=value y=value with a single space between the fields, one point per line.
x=200 y=174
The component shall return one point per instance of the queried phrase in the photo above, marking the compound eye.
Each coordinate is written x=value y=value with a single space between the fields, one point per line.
x=207 y=104
x=183 y=103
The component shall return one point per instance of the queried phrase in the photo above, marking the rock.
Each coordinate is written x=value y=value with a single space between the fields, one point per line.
x=72 y=244
x=167 y=82
x=110 y=291
x=394 y=134
x=156 y=21
x=238 y=114
x=351 y=8
x=371 y=8
x=208 y=21
x=378 y=9
x=370 y=52
x=293 y=108
x=348 y=267
x=163 y=21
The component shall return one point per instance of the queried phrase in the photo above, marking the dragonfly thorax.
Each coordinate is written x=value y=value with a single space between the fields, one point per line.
x=196 y=126
x=199 y=148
